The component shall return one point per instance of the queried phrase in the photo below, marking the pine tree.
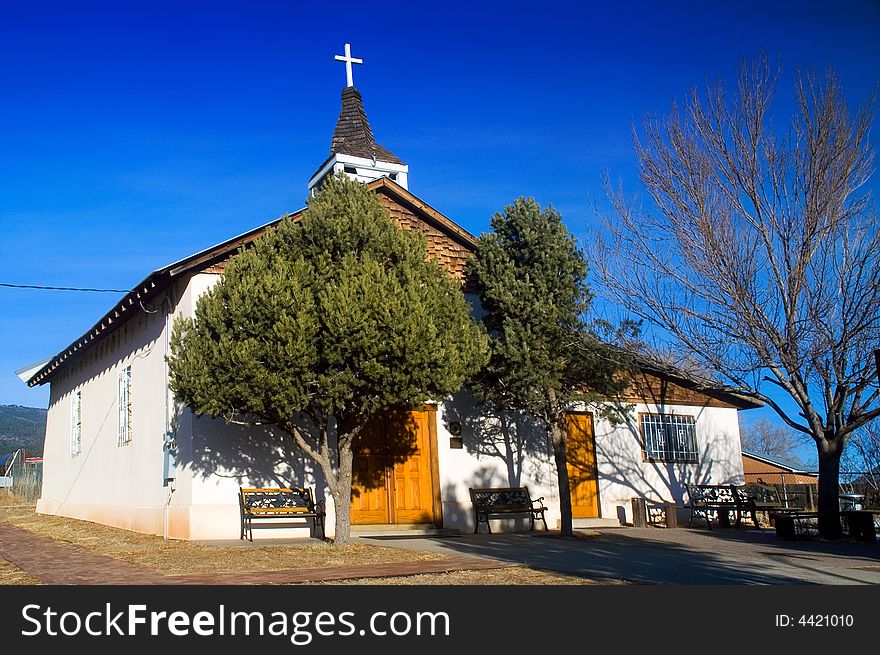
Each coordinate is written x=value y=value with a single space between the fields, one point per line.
x=545 y=359
x=332 y=320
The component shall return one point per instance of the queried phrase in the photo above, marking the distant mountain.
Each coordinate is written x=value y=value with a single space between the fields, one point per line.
x=22 y=427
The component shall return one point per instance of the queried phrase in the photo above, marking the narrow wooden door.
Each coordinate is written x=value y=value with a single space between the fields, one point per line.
x=411 y=484
x=392 y=480
x=582 y=471
x=369 y=494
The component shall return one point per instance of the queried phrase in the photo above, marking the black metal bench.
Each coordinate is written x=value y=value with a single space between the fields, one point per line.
x=278 y=503
x=722 y=499
x=504 y=502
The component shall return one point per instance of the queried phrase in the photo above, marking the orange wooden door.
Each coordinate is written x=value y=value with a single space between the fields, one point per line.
x=582 y=472
x=411 y=484
x=369 y=493
x=392 y=481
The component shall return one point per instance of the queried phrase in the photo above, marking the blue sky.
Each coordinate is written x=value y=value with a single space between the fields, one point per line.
x=136 y=133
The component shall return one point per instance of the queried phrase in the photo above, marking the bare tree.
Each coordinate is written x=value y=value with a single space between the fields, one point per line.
x=761 y=254
x=764 y=437
x=863 y=455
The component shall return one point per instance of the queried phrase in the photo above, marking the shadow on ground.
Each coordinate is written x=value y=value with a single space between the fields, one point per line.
x=689 y=557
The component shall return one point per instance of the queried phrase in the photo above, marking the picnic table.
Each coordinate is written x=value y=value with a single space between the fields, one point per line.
x=722 y=499
x=860 y=511
x=862 y=517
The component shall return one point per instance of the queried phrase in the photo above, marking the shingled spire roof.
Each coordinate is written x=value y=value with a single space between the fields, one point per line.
x=354 y=151
x=353 y=135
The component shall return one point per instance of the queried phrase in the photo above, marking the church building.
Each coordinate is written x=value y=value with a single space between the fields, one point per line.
x=120 y=451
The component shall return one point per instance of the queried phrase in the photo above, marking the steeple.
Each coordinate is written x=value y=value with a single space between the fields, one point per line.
x=354 y=149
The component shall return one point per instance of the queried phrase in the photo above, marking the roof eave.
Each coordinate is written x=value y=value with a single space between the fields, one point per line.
x=737 y=398
x=782 y=465
x=145 y=291
x=157 y=281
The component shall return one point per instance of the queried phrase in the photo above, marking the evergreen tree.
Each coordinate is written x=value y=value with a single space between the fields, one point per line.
x=328 y=321
x=545 y=359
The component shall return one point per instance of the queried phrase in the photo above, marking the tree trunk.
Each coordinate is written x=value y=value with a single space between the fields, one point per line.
x=558 y=438
x=342 y=496
x=829 y=480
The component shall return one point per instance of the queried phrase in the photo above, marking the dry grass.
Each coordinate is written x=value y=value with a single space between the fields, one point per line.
x=179 y=557
x=515 y=575
x=10 y=574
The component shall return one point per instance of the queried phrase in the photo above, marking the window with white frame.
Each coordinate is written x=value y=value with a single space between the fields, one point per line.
x=76 y=422
x=669 y=437
x=124 y=404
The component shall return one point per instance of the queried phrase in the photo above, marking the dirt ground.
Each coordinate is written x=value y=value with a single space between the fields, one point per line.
x=182 y=557
x=10 y=574
x=177 y=557
x=516 y=575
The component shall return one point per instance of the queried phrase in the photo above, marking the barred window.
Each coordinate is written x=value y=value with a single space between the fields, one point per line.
x=669 y=437
x=76 y=422
x=124 y=403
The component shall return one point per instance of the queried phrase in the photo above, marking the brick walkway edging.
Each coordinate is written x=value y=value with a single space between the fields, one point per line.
x=53 y=562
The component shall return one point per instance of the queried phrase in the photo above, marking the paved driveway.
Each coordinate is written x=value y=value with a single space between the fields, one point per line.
x=660 y=556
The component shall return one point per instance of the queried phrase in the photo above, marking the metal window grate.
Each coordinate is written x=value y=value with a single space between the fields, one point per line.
x=76 y=423
x=124 y=402
x=669 y=437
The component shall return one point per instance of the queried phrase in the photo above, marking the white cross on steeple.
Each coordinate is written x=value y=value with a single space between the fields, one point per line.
x=349 y=60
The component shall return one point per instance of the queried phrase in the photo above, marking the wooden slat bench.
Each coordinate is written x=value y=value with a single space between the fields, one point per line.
x=278 y=503
x=504 y=502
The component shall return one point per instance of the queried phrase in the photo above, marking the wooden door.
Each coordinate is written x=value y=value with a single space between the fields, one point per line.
x=410 y=479
x=369 y=494
x=582 y=470
x=392 y=481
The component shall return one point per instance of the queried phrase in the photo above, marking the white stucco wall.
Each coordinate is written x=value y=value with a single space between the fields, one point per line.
x=489 y=459
x=217 y=458
x=498 y=451
x=227 y=457
x=120 y=485
x=123 y=485
x=624 y=474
